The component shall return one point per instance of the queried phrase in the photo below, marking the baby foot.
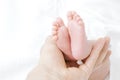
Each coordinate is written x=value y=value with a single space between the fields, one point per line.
x=61 y=35
x=79 y=44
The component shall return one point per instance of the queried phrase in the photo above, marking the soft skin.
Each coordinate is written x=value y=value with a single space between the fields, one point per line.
x=52 y=65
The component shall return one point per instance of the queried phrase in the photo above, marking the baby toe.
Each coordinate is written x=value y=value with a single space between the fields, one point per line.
x=70 y=15
x=60 y=21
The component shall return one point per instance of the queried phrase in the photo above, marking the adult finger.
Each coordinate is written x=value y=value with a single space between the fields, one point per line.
x=51 y=55
x=107 y=57
x=104 y=51
x=91 y=61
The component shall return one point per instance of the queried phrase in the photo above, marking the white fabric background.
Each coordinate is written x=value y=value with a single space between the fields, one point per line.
x=24 y=24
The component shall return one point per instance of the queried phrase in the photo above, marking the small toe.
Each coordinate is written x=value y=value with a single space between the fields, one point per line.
x=70 y=15
x=60 y=22
x=75 y=17
x=73 y=12
x=78 y=18
x=55 y=23
x=55 y=37
x=81 y=22
x=54 y=28
x=54 y=33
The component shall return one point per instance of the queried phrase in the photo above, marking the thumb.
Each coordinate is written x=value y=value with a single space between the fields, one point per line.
x=51 y=55
x=95 y=53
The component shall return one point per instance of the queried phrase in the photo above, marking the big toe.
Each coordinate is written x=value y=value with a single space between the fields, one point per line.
x=70 y=15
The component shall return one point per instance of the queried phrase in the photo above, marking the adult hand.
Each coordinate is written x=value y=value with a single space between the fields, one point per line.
x=101 y=70
x=52 y=65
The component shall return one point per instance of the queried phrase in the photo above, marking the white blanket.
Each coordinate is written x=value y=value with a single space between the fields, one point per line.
x=24 y=24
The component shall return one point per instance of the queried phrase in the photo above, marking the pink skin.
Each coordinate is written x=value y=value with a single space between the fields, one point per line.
x=80 y=46
x=67 y=38
x=72 y=41
x=61 y=35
